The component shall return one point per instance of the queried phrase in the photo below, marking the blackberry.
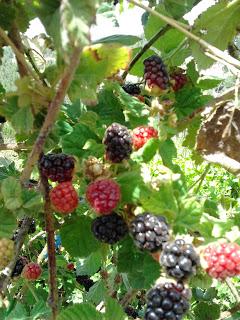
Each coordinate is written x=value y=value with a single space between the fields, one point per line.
x=168 y=301
x=110 y=228
x=32 y=227
x=149 y=232
x=132 y=88
x=20 y=264
x=118 y=142
x=57 y=167
x=178 y=79
x=155 y=74
x=179 y=259
x=85 y=281
x=131 y=312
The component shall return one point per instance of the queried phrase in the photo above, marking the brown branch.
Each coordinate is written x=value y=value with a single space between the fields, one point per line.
x=49 y=224
x=51 y=116
x=148 y=45
x=225 y=58
x=128 y=297
x=14 y=146
x=6 y=273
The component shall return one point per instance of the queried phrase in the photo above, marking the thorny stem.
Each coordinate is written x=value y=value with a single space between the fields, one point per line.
x=233 y=289
x=224 y=57
x=160 y=33
x=49 y=224
x=14 y=146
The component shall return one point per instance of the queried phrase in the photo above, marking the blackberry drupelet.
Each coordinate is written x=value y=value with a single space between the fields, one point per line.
x=131 y=312
x=168 y=301
x=155 y=74
x=149 y=232
x=118 y=142
x=20 y=264
x=132 y=88
x=179 y=259
x=85 y=281
x=109 y=229
x=57 y=167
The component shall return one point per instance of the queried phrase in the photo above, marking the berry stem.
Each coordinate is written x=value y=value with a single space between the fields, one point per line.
x=128 y=297
x=49 y=224
x=30 y=287
x=148 y=45
x=233 y=289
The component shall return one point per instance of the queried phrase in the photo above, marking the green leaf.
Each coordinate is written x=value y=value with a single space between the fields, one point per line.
x=201 y=280
x=205 y=295
x=178 y=8
x=40 y=310
x=18 y=313
x=90 y=265
x=7 y=170
x=236 y=316
x=77 y=237
x=83 y=311
x=12 y=193
x=154 y=24
x=113 y=308
x=31 y=199
x=8 y=223
x=205 y=311
x=7 y=15
x=22 y=121
x=168 y=153
x=74 y=142
x=98 y=62
x=97 y=292
x=74 y=110
x=127 y=40
x=206 y=84
x=147 y=152
x=217 y=25
x=141 y=268
x=169 y=42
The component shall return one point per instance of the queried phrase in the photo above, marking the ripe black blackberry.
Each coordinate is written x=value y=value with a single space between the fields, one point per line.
x=85 y=281
x=132 y=88
x=32 y=227
x=131 y=312
x=178 y=79
x=109 y=229
x=168 y=301
x=155 y=74
x=179 y=259
x=149 y=232
x=118 y=142
x=57 y=167
x=20 y=264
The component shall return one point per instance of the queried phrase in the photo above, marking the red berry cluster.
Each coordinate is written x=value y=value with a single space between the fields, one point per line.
x=222 y=260
x=178 y=79
x=32 y=271
x=142 y=134
x=60 y=168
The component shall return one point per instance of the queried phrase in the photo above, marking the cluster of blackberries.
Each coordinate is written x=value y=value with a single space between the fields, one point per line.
x=131 y=312
x=178 y=79
x=85 y=281
x=132 y=88
x=118 y=142
x=20 y=264
x=167 y=301
x=59 y=168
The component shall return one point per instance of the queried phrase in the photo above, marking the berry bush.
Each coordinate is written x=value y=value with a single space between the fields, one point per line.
x=119 y=162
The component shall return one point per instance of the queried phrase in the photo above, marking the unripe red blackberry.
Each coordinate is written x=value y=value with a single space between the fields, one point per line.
x=103 y=195
x=168 y=301
x=149 y=232
x=32 y=271
x=178 y=79
x=156 y=75
x=57 y=167
x=64 y=198
x=222 y=260
x=109 y=229
x=142 y=134
x=6 y=252
x=118 y=142
x=132 y=88
x=179 y=259
x=20 y=264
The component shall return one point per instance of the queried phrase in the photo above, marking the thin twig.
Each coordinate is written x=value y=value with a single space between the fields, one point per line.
x=51 y=116
x=159 y=34
x=42 y=254
x=20 y=56
x=205 y=45
x=14 y=146
x=49 y=224
x=200 y=179
x=39 y=234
